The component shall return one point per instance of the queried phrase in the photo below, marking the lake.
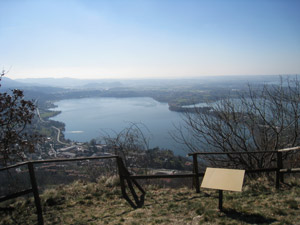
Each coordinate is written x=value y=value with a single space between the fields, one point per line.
x=89 y=118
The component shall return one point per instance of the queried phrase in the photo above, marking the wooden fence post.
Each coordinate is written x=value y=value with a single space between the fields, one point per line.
x=121 y=175
x=35 y=194
x=125 y=175
x=279 y=176
x=195 y=170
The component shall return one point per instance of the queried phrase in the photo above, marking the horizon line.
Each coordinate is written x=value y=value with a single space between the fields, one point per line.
x=154 y=78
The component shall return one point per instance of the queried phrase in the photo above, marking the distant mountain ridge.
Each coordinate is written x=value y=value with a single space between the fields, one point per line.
x=71 y=82
x=7 y=83
x=103 y=85
x=112 y=83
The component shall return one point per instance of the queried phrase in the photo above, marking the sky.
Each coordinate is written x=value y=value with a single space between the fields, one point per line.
x=95 y=39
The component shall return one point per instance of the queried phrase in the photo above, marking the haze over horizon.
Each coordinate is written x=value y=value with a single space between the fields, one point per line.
x=149 y=39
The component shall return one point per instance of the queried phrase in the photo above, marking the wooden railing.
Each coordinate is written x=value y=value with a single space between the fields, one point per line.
x=280 y=171
x=123 y=174
x=126 y=177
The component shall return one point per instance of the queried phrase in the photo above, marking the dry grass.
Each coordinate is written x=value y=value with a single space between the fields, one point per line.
x=101 y=203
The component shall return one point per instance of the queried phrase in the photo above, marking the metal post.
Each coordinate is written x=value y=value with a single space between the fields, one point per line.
x=195 y=168
x=35 y=194
x=220 y=200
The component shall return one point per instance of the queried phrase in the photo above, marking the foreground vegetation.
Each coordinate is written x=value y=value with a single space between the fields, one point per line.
x=101 y=203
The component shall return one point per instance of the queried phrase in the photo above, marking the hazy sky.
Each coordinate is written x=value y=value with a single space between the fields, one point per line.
x=150 y=38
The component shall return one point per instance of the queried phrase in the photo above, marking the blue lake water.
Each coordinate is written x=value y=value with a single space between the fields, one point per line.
x=89 y=118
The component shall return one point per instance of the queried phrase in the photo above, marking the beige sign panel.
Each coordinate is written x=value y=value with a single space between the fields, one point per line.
x=223 y=179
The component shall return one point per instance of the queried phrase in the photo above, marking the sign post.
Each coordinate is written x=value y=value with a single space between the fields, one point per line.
x=220 y=200
x=223 y=180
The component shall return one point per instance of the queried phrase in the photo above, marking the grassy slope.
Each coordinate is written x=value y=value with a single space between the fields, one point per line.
x=100 y=203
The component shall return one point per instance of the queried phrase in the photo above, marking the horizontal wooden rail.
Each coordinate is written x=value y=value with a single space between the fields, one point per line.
x=158 y=176
x=58 y=160
x=292 y=170
x=289 y=149
x=261 y=170
x=13 y=166
x=200 y=174
x=74 y=159
x=15 y=195
x=252 y=152
x=225 y=153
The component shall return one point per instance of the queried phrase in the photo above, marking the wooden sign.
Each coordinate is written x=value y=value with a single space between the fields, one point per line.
x=223 y=179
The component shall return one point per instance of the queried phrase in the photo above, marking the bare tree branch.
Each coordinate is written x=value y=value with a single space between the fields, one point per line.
x=264 y=118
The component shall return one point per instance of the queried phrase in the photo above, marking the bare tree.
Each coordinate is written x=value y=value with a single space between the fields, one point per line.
x=264 y=118
x=129 y=141
x=16 y=114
